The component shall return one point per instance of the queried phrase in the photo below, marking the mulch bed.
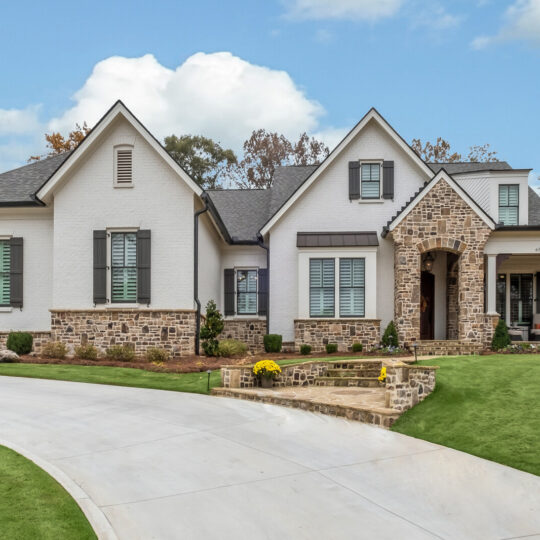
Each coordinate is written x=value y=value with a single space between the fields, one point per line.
x=189 y=364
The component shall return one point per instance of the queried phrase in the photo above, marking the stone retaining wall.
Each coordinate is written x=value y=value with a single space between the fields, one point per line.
x=319 y=332
x=293 y=375
x=250 y=331
x=407 y=385
x=173 y=330
x=40 y=339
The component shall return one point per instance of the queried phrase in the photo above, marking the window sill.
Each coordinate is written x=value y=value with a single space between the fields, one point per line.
x=118 y=305
x=245 y=317
x=371 y=201
x=6 y=309
x=123 y=186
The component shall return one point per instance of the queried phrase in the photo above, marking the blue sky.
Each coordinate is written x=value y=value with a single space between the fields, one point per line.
x=468 y=71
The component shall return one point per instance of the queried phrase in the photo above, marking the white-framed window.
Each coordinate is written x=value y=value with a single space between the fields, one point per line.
x=246 y=291
x=509 y=204
x=370 y=180
x=123 y=166
x=322 y=287
x=122 y=267
x=352 y=283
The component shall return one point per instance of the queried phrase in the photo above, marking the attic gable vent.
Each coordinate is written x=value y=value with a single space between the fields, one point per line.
x=123 y=167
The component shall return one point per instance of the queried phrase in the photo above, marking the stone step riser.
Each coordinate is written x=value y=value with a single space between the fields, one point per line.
x=358 y=365
x=353 y=372
x=348 y=382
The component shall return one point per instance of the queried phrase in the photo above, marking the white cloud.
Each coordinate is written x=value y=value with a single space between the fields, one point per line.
x=342 y=9
x=218 y=95
x=521 y=22
x=19 y=121
x=434 y=17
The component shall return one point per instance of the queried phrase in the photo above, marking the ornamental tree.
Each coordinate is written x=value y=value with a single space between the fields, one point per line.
x=390 y=336
x=212 y=329
x=501 y=337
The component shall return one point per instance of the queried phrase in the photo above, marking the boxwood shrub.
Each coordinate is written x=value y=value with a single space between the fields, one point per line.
x=331 y=348
x=357 y=347
x=305 y=349
x=20 y=342
x=272 y=343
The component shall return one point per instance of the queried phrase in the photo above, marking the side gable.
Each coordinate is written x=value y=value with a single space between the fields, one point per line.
x=46 y=191
x=372 y=114
x=441 y=176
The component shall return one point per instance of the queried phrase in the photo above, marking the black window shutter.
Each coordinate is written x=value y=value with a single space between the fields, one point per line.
x=229 y=291
x=354 y=180
x=388 y=179
x=100 y=267
x=537 y=292
x=263 y=291
x=16 y=272
x=143 y=266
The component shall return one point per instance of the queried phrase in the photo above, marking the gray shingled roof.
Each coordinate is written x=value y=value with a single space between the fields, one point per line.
x=20 y=185
x=469 y=166
x=534 y=207
x=245 y=211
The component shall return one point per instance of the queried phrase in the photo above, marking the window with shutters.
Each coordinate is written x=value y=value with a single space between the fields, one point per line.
x=123 y=166
x=370 y=180
x=352 y=287
x=509 y=204
x=123 y=267
x=5 y=269
x=246 y=292
x=321 y=287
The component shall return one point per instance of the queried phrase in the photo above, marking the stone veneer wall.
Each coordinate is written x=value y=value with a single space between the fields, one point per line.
x=407 y=385
x=40 y=339
x=250 y=331
x=490 y=323
x=319 y=332
x=440 y=221
x=293 y=375
x=173 y=330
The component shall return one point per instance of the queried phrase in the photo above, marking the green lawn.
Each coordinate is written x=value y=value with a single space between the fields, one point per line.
x=33 y=505
x=488 y=406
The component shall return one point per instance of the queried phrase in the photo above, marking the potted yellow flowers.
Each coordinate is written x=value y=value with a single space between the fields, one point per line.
x=382 y=376
x=266 y=371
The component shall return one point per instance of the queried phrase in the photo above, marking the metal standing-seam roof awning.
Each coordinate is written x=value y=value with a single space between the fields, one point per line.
x=337 y=239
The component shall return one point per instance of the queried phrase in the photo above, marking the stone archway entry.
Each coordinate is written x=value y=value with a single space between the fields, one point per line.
x=427 y=305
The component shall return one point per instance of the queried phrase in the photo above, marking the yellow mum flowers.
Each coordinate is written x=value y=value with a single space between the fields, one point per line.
x=266 y=368
x=382 y=376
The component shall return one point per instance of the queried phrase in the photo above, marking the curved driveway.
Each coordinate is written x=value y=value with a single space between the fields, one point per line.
x=169 y=465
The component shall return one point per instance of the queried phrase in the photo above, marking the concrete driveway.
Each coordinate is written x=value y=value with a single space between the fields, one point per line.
x=170 y=465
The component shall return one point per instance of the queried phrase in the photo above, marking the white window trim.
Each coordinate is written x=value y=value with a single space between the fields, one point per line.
x=370 y=283
x=372 y=162
x=245 y=315
x=110 y=304
x=115 y=165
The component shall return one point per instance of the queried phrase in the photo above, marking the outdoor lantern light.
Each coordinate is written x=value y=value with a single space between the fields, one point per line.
x=428 y=262
x=209 y=371
x=415 y=346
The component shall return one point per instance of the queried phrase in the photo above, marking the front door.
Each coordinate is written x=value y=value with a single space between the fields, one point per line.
x=427 y=306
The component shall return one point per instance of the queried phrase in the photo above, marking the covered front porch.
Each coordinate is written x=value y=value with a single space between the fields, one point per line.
x=513 y=282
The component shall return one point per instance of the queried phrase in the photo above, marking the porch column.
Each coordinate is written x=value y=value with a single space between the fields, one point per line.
x=491 y=283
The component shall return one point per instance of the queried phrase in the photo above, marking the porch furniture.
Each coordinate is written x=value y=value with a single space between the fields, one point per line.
x=535 y=332
x=519 y=333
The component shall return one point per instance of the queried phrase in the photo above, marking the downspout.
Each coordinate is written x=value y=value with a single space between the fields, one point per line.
x=261 y=243
x=204 y=197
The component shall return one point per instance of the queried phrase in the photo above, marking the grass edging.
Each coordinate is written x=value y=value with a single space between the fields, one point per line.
x=97 y=519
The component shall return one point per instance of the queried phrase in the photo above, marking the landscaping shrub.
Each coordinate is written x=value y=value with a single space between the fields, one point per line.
x=231 y=347
x=155 y=354
x=331 y=348
x=120 y=353
x=305 y=349
x=272 y=343
x=20 y=342
x=54 y=349
x=212 y=328
x=390 y=337
x=86 y=352
x=357 y=347
x=501 y=337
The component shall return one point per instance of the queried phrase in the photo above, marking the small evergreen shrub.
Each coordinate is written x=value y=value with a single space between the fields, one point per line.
x=55 y=349
x=86 y=352
x=120 y=353
x=331 y=348
x=501 y=337
x=390 y=337
x=305 y=349
x=212 y=329
x=357 y=347
x=272 y=343
x=231 y=347
x=20 y=342
x=155 y=354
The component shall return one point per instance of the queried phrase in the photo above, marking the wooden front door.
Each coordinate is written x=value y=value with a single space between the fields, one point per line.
x=427 y=306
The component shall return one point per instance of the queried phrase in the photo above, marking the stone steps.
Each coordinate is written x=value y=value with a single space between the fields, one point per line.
x=450 y=347
x=363 y=382
x=357 y=364
x=361 y=372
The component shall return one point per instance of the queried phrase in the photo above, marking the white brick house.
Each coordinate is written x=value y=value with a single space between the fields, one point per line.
x=114 y=243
